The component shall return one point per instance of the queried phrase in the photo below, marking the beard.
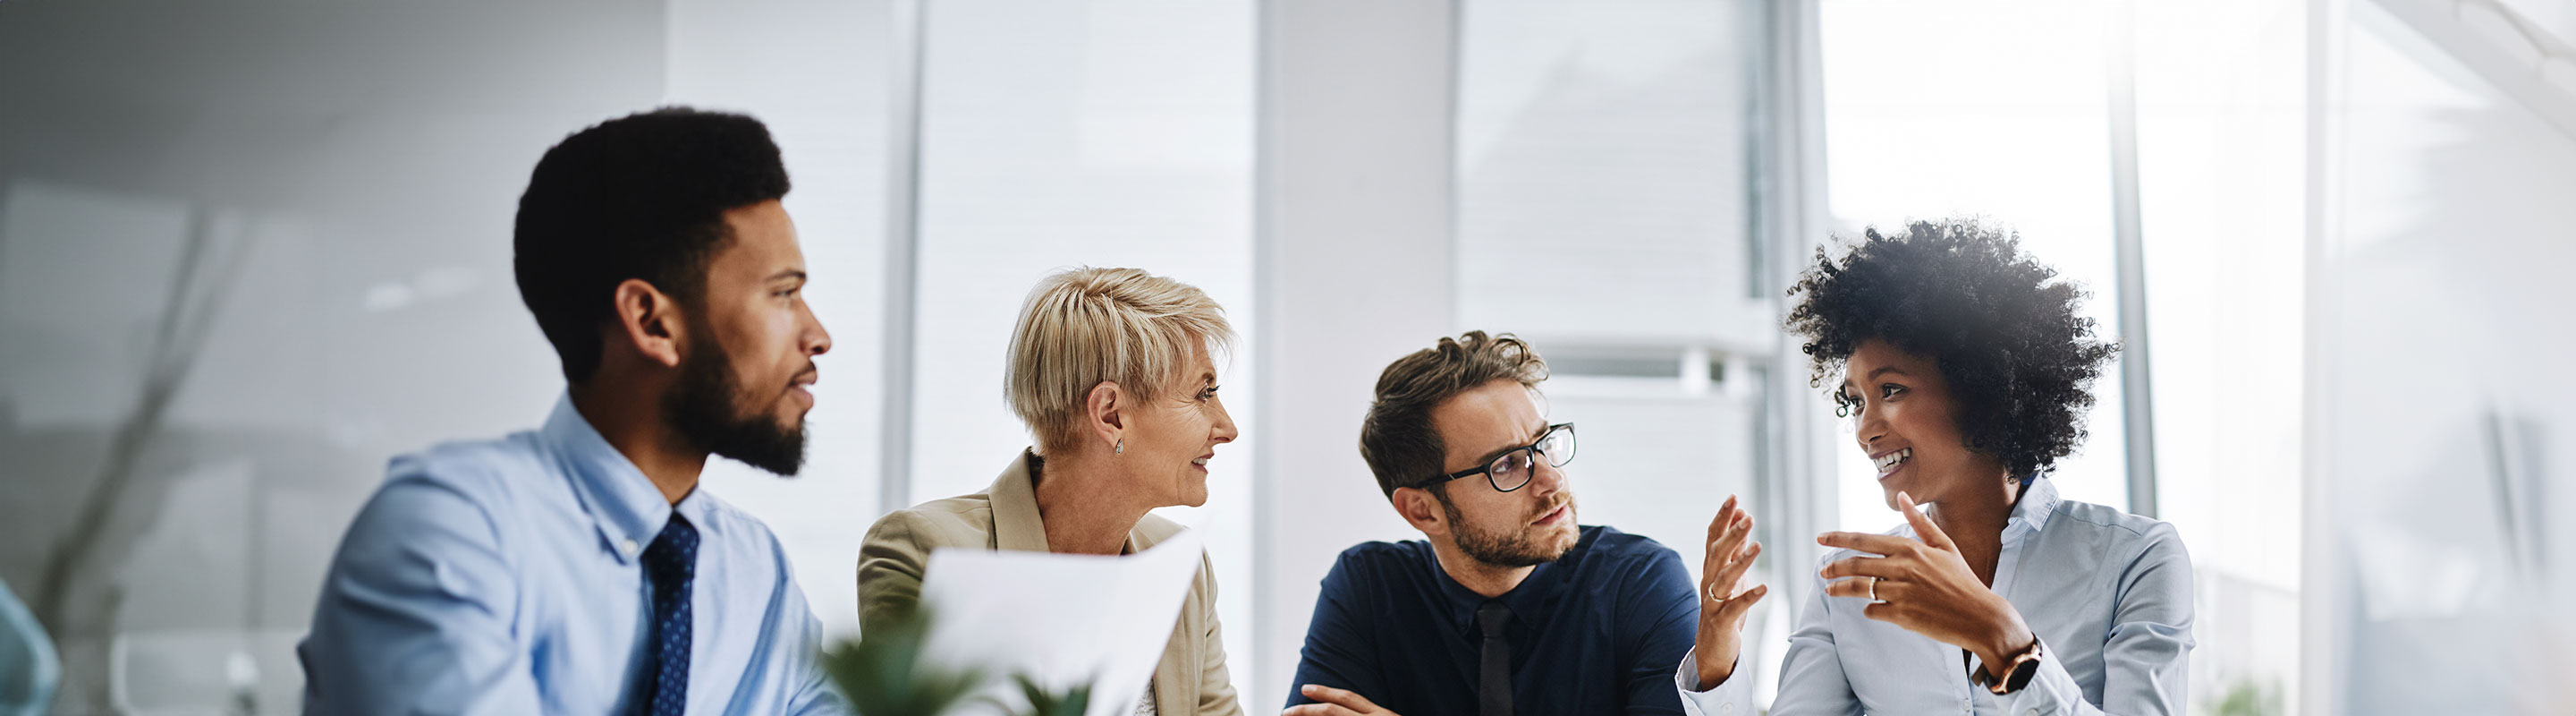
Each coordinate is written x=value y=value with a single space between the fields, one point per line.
x=1524 y=546
x=708 y=408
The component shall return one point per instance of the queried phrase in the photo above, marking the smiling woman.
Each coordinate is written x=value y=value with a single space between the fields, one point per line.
x=2004 y=333
x=1112 y=371
x=1965 y=367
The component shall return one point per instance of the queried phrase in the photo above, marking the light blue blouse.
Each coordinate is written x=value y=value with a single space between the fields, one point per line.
x=2109 y=594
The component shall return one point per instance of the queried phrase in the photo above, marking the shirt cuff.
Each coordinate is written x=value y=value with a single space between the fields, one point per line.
x=1726 y=699
x=2051 y=690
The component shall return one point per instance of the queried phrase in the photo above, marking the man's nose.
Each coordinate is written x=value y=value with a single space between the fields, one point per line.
x=1547 y=478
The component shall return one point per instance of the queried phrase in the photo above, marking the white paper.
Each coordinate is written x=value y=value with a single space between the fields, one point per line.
x=1060 y=619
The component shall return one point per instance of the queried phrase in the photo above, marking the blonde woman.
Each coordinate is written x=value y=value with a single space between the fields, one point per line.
x=1112 y=371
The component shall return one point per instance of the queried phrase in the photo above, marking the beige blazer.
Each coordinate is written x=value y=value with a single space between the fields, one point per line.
x=1191 y=677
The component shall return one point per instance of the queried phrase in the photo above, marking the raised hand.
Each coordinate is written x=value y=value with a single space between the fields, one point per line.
x=1925 y=586
x=1728 y=554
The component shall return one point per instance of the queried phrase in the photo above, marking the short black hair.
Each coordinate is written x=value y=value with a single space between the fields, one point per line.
x=641 y=196
x=2002 y=327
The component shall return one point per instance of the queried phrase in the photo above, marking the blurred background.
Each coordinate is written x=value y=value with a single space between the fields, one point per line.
x=251 y=249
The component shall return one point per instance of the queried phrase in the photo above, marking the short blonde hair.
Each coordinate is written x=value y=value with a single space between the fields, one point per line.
x=1087 y=325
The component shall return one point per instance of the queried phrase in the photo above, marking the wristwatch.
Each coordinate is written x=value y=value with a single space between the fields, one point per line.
x=2017 y=672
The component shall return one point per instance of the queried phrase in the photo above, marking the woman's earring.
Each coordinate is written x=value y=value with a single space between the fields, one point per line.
x=1120 y=448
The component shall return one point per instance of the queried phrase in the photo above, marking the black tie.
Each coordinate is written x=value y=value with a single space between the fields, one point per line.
x=669 y=565
x=1494 y=683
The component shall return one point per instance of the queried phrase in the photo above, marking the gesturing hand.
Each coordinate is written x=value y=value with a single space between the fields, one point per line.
x=1926 y=587
x=1334 y=702
x=1729 y=553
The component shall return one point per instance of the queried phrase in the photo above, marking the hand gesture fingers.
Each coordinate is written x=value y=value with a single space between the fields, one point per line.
x=1728 y=558
x=1730 y=613
x=1726 y=533
x=1334 y=702
x=1864 y=542
x=1883 y=567
x=1923 y=527
x=1870 y=588
x=1728 y=555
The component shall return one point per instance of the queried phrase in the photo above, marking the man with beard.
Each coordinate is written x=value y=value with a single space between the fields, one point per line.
x=576 y=568
x=1506 y=606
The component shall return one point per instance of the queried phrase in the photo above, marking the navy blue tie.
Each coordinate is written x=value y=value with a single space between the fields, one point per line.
x=669 y=564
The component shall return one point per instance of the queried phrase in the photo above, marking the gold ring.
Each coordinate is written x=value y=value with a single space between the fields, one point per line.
x=1873 y=590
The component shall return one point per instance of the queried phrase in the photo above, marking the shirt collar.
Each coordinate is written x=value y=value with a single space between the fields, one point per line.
x=625 y=506
x=2030 y=513
x=1461 y=603
x=1016 y=523
x=1526 y=600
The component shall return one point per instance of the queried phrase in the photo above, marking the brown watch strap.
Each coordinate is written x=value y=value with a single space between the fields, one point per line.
x=2016 y=674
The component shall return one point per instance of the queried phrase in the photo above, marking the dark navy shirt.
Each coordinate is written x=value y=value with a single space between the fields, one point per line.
x=1598 y=631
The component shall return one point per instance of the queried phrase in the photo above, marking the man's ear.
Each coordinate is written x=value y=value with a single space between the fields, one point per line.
x=1421 y=509
x=648 y=321
x=1102 y=413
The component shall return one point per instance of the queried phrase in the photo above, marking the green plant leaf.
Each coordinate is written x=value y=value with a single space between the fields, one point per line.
x=1070 y=702
x=881 y=673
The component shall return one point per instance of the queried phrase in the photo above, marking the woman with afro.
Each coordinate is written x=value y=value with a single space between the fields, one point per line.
x=1965 y=369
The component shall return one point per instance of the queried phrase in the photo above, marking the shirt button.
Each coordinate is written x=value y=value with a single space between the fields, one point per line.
x=628 y=546
x=1727 y=708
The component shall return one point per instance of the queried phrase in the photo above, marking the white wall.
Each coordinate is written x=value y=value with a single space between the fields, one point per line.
x=1992 y=109
x=1606 y=212
x=1353 y=271
x=353 y=172
x=818 y=73
x=1063 y=134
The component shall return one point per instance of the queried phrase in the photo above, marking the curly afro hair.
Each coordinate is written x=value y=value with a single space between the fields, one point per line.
x=2001 y=326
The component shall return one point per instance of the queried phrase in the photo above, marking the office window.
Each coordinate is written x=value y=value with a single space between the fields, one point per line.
x=1986 y=109
x=2440 y=299
x=2223 y=157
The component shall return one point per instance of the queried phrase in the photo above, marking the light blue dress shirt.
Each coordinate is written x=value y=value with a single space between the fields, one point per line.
x=502 y=577
x=2107 y=592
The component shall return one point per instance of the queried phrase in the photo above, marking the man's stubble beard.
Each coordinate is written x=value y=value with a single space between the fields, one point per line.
x=1527 y=546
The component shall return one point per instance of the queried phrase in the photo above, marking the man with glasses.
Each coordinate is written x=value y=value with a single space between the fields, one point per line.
x=1506 y=605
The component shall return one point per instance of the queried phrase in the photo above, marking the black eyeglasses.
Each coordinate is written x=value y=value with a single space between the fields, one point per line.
x=1510 y=470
